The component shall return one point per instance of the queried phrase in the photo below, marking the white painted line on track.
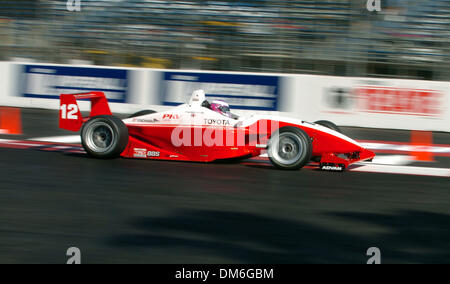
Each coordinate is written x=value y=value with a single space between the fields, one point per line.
x=18 y=143
x=405 y=147
x=59 y=139
x=405 y=170
x=395 y=160
x=392 y=164
x=75 y=139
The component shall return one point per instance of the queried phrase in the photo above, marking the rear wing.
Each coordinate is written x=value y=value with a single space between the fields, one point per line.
x=70 y=117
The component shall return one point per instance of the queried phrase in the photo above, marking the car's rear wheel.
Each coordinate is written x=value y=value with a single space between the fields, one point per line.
x=329 y=124
x=104 y=137
x=142 y=112
x=290 y=148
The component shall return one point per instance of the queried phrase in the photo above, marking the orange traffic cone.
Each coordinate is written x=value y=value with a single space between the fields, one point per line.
x=421 y=142
x=10 y=121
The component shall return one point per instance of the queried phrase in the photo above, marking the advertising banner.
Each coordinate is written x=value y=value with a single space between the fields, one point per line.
x=385 y=100
x=241 y=91
x=347 y=101
x=47 y=81
x=380 y=103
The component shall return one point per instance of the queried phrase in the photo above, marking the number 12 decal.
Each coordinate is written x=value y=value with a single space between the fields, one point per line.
x=69 y=111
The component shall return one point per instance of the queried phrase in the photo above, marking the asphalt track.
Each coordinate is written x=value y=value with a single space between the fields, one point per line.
x=137 y=211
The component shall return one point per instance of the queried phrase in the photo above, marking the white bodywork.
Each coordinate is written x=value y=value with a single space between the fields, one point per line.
x=196 y=115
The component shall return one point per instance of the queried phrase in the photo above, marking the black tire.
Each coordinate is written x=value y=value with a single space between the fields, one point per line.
x=104 y=137
x=329 y=124
x=142 y=112
x=295 y=140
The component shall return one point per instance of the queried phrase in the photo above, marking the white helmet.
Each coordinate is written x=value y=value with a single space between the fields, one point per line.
x=197 y=98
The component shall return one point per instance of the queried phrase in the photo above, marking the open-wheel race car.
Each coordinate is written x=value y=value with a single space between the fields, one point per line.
x=203 y=131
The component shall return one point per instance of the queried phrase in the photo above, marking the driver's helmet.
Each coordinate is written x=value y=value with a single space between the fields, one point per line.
x=221 y=107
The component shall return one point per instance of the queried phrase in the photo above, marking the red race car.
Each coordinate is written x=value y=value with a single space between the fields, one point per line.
x=204 y=131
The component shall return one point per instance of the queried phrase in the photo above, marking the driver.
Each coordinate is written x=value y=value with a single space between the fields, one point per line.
x=221 y=107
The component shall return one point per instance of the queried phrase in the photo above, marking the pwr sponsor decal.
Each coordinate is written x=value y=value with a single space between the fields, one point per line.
x=171 y=116
x=140 y=153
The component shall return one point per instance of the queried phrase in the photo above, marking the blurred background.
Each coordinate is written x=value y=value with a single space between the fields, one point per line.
x=407 y=39
x=53 y=196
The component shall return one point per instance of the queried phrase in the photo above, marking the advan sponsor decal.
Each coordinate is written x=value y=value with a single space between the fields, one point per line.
x=336 y=168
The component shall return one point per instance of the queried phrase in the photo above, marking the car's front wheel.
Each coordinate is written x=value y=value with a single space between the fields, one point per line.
x=104 y=137
x=290 y=148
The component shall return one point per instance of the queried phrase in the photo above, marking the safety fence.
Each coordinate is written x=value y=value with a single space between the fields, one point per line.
x=406 y=39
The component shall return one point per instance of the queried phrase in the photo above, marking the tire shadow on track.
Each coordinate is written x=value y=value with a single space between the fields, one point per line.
x=411 y=237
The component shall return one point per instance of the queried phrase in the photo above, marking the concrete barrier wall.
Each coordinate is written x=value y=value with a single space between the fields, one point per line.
x=364 y=102
x=377 y=103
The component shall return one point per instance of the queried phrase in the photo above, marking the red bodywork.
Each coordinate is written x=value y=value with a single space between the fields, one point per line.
x=153 y=141
x=70 y=117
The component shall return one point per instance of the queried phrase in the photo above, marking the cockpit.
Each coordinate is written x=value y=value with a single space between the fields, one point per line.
x=199 y=98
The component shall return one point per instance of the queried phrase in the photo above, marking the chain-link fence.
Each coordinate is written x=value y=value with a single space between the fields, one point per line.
x=407 y=39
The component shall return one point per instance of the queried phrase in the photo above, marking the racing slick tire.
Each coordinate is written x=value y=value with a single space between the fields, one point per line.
x=290 y=148
x=104 y=137
x=142 y=112
x=329 y=124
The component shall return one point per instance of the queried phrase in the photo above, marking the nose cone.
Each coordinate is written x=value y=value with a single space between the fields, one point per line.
x=366 y=155
x=337 y=143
